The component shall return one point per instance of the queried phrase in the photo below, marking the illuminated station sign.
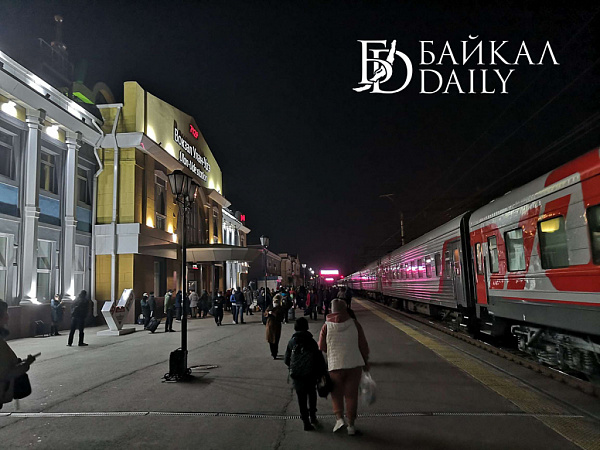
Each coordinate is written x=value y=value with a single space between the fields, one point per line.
x=330 y=275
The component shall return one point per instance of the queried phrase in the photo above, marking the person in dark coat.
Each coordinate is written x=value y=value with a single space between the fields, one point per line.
x=321 y=298
x=57 y=310
x=178 y=305
x=274 y=316
x=152 y=304
x=203 y=303
x=169 y=308
x=218 y=305
x=79 y=311
x=305 y=371
x=240 y=305
x=145 y=309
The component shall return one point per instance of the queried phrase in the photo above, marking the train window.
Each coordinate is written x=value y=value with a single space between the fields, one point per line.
x=515 y=250
x=593 y=216
x=420 y=268
x=447 y=264
x=493 y=254
x=438 y=265
x=428 y=270
x=457 y=261
x=553 y=243
x=414 y=271
x=479 y=258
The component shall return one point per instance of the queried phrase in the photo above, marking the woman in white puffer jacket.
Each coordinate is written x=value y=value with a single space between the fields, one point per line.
x=343 y=339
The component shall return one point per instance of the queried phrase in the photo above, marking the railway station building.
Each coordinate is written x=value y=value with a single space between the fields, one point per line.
x=138 y=231
x=47 y=167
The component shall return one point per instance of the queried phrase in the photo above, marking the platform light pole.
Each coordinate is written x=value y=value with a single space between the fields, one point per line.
x=184 y=189
x=304 y=270
x=264 y=241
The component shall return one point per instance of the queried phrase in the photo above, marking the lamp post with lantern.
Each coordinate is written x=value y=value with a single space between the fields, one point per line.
x=184 y=189
x=264 y=242
x=304 y=270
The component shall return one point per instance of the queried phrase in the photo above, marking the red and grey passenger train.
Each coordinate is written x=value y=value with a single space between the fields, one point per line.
x=527 y=263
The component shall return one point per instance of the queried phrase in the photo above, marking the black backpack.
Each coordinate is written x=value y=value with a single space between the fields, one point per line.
x=303 y=362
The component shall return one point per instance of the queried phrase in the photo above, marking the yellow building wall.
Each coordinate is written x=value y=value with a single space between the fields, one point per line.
x=125 y=272
x=103 y=277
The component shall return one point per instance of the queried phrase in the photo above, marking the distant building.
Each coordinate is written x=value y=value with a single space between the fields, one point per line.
x=235 y=233
x=291 y=270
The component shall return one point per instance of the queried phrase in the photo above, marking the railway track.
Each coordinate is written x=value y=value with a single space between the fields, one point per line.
x=508 y=354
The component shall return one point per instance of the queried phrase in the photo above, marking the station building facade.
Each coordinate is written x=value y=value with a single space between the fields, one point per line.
x=138 y=225
x=47 y=167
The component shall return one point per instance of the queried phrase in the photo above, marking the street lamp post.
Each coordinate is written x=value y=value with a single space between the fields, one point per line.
x=264 y=241
x=184 y=189
x=304 y=270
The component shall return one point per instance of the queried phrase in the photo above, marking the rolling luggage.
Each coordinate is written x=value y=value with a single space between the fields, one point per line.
x=153 y=325
x=291 y=314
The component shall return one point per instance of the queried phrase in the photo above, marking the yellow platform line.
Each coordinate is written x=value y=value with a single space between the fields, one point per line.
x=581 y=431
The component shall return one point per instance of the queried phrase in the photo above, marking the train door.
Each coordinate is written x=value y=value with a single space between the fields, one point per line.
x=481 y=271
x=456 y=273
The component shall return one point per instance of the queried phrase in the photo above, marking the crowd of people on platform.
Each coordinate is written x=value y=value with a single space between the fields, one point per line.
x=341 y=339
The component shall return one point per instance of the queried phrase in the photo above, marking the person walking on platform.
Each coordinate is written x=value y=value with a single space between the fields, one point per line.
x=204 y=304
x=194 y=303
x=178 y=305
x=274 y=315
x=233 y=307
x=311 y=304
x=321 y=299
x=249 y=295
x=343 y=339
x=169 y=310
x=145 y=309
x=306 y=365
x=57 y=312
x=240 y=305
x=218 y=305
x=79 y=311
x=152 y=304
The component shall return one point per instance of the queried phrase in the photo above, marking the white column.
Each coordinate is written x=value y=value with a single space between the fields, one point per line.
x=70 y=223
x=30 y=208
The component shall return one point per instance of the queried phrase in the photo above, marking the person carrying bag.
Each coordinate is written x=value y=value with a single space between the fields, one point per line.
x=14 y=382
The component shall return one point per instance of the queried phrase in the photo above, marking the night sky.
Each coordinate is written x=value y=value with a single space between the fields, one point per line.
x=305 y=157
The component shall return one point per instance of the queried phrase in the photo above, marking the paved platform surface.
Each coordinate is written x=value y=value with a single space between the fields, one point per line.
x=433 y=393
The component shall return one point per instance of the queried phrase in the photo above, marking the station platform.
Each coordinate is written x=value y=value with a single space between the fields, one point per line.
x=434 y=392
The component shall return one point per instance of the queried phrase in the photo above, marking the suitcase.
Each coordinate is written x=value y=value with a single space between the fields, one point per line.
x=153 y=324
x=291 y=314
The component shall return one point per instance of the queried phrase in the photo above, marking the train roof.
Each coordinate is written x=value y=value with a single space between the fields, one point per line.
x=584 y=167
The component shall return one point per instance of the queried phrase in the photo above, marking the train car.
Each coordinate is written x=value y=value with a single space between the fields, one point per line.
x=537 y=264
x=431 y=274
x=369 y=280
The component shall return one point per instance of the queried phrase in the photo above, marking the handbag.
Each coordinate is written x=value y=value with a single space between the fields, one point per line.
x=22 y=387
x=324 y=385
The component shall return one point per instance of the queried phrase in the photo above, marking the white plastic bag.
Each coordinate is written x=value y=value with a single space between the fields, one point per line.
x=368 y=389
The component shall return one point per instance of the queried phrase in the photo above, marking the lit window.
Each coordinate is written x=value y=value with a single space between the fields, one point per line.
x=160 y=203
x=6 y=155
x=493 y=254
x=83 y=193
x=553 y=243
x=593 y=216
x=457 y=261
x=48 y=173
x=479 y=257
x=3 y=266
x=515 y=250
x=44 y=271
x=438 y=264
x=80 y=265
x=428 y=266
x=414 y=269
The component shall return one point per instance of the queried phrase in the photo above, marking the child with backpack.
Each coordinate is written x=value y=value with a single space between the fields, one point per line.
x=307 y=365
